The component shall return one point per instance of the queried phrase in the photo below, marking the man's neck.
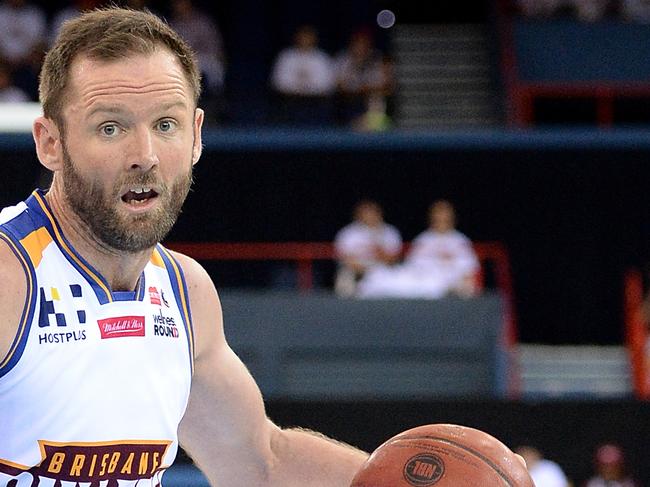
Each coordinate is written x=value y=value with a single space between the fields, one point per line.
x=121 y=270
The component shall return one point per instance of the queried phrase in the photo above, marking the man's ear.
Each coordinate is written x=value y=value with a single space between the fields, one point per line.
x=48 y=143
x=197 y=148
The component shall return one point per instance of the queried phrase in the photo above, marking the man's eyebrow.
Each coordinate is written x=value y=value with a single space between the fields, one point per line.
x=117 y=109
x=173 y=104
x=106 y=109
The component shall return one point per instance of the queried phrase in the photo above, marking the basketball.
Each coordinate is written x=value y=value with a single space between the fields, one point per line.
x=443 y=455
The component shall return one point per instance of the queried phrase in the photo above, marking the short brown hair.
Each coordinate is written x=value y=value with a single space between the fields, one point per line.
x=109 y=34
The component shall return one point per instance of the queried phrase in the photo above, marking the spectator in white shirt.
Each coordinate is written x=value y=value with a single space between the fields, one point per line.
x=544 y=472
x=365 y=243
x=22 y=30
x=303 y=69
x=610 y=469
x=440 y=261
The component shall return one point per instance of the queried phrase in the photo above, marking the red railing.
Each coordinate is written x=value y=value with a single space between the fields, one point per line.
x=304 y=254
x=524 y=94
x=636 y=333
x=521 y=94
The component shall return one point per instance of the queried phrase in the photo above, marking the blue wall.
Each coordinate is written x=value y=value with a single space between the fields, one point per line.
x=570 y=51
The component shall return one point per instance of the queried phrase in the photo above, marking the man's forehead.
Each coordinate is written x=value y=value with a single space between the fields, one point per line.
x=136 y=68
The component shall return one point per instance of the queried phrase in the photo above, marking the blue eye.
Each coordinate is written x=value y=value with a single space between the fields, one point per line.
x=109 y=130
x=166 y=125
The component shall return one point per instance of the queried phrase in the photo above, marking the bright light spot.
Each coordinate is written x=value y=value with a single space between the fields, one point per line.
x=386 y=19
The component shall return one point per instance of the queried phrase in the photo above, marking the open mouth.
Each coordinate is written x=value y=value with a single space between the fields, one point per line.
x=138 y=195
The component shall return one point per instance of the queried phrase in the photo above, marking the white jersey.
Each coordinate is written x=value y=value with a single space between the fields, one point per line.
x=96 y=381
x=436 y=264
x=449 y=253
x=361 y=242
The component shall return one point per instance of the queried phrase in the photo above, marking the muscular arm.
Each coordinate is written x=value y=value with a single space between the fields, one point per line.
x=13 y=288
x=225 y=428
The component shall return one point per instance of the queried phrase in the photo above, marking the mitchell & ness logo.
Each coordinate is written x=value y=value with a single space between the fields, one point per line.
x=121 y=326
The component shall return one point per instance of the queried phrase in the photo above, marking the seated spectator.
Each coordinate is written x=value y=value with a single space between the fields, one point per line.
x=544 y=472
x=610 y=469
x=541 y=8
x=202 y=34
x=69 y=12
x=8 y=92
x=363 y=244
x=590 y=10
x=440 y=261
x=584 y=10
x=375 y=118
x=637 y=11
x=22 y=42
x=361 y=77
x=22 y=30
x=303 y=78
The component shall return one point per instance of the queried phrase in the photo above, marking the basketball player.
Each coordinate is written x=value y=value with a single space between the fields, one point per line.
x=112 y=349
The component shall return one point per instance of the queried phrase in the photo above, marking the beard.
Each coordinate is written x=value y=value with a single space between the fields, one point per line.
x=98 y=208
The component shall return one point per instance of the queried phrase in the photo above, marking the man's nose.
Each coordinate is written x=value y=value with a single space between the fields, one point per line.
x=143 y=153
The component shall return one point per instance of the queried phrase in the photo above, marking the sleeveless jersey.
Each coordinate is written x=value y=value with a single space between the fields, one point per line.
x=95 y=382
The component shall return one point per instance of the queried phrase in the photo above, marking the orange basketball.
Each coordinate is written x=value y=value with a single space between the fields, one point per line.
x=443 y=455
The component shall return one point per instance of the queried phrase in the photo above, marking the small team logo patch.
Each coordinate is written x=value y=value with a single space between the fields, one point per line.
x=162 y=296
x=154 y=296
x=122 y=326
x=423 y=470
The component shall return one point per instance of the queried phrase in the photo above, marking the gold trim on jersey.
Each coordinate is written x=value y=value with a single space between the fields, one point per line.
x=34 y=244
x=181 y=291
x=156 y=259
x=63 y=245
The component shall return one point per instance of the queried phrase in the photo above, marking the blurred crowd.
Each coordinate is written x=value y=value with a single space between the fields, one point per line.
x=352 y=88
x=440 y=260
x=26 y=32
x=310 y=86
x=588 y=10
x=609 y=469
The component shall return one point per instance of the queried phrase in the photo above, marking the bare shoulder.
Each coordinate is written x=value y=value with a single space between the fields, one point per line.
x=204 y=303
x=13 y=291
x=196 y=276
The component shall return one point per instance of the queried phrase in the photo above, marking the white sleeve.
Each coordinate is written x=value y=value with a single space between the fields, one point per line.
x=282 y=78
x=392 y=240
x=467 y=260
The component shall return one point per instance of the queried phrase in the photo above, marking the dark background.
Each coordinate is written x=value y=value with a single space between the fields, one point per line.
x=565 y=431
x=573 y=220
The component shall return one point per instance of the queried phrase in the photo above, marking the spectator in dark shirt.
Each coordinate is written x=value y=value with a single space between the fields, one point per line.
x=203 y=35
x=359 y=76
